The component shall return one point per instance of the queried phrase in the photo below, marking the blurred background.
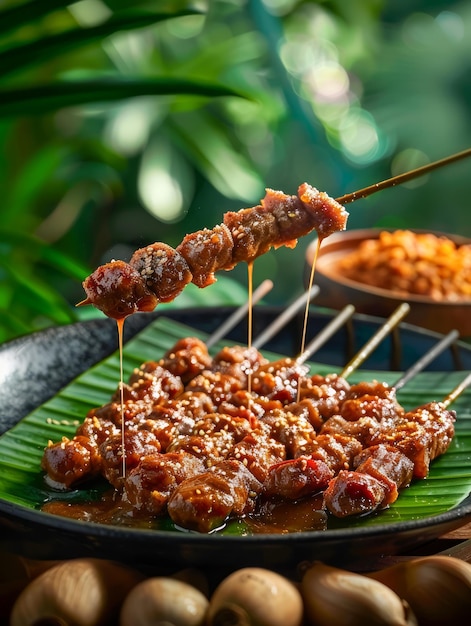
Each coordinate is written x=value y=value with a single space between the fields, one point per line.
x=124 y=123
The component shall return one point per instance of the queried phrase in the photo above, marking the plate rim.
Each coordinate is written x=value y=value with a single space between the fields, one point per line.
x=453 y=517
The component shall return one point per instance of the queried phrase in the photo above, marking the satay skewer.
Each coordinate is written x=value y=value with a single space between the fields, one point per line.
x=158 y=273
x=345 y=494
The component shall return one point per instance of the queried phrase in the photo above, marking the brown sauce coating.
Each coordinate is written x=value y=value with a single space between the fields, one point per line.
x=163 y=270
x=148 y=487
x=206 y=252
x=253 y=231
x=118 y=290
x=205 y=501
x=296 y=479
x=328 y=215
x=71 y=461
x=187 y=358
x=353 y=493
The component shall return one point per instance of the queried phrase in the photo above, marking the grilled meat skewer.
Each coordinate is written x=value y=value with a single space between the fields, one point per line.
x=159 y=273
x=189 y=417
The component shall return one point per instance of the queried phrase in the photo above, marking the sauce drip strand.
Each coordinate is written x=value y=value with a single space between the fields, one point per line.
x=306 y=310
x=120 y=324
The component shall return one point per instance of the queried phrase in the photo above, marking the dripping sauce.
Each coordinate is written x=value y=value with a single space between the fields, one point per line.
x=120 y=328
x=273 y=516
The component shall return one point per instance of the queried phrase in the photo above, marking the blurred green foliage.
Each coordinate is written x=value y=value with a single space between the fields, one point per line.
x=123 y=123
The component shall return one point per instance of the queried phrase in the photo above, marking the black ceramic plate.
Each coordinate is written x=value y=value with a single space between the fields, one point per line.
x=35 y=367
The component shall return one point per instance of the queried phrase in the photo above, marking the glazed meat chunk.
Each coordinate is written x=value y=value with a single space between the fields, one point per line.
x=206 y=501
x=150 y=484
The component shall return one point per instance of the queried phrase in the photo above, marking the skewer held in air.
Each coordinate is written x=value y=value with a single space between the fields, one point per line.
x=402 y=178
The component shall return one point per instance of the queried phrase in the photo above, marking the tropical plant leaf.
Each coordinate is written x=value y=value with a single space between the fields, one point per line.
x=51 y=97
x=18 y=16
x=21 y=448
x=22 y=192
x=212 y=153
x=38 y=296
x=44 y=252
x=29 y=54
x=12 y=325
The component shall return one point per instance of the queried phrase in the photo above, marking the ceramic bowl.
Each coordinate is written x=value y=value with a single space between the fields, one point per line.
x=336 y=291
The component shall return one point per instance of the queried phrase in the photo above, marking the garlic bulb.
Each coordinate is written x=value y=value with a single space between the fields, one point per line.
x=82 y=592
x=336 y=596
x=438 y=588
x=165 y=601
x=255 y=596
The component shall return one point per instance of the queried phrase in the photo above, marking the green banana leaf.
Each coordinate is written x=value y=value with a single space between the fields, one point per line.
x=21 y=448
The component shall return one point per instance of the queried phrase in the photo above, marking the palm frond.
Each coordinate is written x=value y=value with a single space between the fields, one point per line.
x=32 y=53
x=41 y=99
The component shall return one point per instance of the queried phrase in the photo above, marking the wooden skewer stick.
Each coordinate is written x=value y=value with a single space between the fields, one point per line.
x=427 y=358
x=281 y=321
x=371 y=344
x=326 y=333
x=402 y=178
x=458 y=390
x=239 y=313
